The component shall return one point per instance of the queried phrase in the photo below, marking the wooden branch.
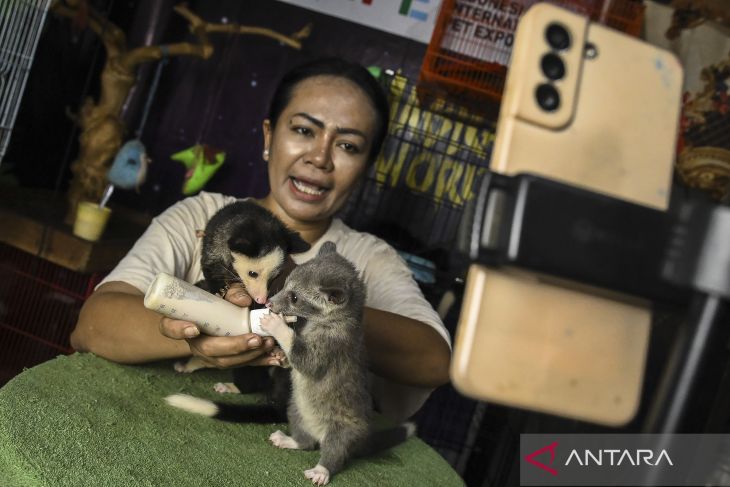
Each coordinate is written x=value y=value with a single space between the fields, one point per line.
x=111 y=36
x=291 y=41
x=303 y=33
x=198 y=27
x=204 y=48
x=101 y=126
x=144 y=54
x=183 y=10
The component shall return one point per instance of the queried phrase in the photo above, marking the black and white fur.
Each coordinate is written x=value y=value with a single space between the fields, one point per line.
x=330 y=403
x=244 y=242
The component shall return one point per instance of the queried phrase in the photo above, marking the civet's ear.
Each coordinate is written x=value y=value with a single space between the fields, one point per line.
x=242 y=244
x=334 y=295
x=327 y=248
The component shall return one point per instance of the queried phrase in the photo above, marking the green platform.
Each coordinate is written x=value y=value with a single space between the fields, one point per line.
x=84 y=421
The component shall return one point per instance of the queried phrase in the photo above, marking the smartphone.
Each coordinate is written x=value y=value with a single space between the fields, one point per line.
x=588 y=106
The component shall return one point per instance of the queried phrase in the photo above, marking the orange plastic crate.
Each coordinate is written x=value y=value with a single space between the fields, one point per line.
x=472 y=39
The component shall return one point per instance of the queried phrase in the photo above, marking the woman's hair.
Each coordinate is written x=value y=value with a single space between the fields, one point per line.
x=342 y=69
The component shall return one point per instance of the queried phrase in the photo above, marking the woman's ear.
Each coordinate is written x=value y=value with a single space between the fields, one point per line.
x=267 y=139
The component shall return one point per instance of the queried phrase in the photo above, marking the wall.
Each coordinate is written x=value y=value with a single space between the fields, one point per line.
x=233 y=87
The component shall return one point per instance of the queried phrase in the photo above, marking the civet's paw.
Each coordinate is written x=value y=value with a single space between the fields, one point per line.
x=271 y=323
x=226 y=388
x=319 y=475
x=283 y=440
x=186 y=366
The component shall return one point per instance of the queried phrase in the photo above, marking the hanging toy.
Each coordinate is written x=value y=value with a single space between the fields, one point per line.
x=202 y=162
x=129 y=169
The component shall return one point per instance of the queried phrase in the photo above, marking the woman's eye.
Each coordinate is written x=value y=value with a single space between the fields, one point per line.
x=253 y=274
x=350 y=147
x=303 y=130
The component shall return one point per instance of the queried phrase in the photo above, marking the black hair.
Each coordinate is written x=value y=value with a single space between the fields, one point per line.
x=340 y=68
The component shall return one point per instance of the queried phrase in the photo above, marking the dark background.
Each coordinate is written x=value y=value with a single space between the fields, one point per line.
x=232 y=88
x=479 y=440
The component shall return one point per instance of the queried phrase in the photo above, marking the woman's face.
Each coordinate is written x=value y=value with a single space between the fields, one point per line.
x=319 y=147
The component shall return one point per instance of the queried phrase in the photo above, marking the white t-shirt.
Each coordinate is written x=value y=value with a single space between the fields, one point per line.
x=170 y=245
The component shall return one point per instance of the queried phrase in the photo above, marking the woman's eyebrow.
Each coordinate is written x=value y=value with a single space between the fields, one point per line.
x=319 y=123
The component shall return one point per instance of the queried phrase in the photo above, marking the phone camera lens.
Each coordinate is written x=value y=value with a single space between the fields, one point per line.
x=552 y=66
x=547 y=97
x=557 y=36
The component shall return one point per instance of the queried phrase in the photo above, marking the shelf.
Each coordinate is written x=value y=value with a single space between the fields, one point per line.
x=32 y=220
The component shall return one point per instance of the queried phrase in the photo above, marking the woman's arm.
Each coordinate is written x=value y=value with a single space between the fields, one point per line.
x=114 y=324
x=406 y=341
x=405 y=350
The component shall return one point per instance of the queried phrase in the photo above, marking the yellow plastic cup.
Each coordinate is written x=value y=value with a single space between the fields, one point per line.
x=90 y=220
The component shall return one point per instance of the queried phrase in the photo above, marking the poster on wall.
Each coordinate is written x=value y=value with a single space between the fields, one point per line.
x=484 y=30
x=407 y=18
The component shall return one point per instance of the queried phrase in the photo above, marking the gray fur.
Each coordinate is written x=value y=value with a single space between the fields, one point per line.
x=330 y=403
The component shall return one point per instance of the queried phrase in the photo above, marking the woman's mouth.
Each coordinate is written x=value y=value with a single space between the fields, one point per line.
x=306 y=189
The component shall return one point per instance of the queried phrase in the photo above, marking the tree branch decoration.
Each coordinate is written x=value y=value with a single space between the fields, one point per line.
x=102 y=128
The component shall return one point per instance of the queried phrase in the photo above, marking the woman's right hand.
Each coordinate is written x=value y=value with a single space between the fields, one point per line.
x=223 y=352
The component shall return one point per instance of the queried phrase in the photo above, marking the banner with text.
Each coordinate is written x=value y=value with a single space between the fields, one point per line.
x=406 y=18
x=484 y=29
x=624 y=459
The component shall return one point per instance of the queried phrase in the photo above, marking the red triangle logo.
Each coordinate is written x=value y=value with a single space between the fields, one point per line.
x=531 y=457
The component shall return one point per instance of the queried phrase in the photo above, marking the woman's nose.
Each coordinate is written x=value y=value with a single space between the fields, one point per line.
x=321 y=155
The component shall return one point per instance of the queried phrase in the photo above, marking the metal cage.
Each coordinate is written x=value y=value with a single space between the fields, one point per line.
x=21 y=22
x=39 y=306
x=433 y=158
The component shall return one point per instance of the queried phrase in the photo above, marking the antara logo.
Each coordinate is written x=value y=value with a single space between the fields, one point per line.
x=531 y=457
x=619 y=457
x=613 y=457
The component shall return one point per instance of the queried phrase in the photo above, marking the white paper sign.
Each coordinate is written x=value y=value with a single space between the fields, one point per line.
x=484 y=29
x=407 y=18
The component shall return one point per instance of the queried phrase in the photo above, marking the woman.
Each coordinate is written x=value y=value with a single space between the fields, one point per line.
x=326 y=123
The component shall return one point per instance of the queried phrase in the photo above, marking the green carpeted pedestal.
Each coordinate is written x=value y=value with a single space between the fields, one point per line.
x=81 y=420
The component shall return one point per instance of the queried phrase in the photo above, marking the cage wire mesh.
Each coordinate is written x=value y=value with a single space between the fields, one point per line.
x=21 y=22
x=472 y=41
x=39 y=306
x=431 y=164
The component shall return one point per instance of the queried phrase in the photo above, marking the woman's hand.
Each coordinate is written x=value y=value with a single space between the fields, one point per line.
x=224 y=352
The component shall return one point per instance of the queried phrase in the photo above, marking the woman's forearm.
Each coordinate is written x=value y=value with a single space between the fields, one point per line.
x=114 y=324
x=406 y=350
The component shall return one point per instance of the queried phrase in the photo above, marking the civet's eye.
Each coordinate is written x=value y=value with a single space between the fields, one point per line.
x=253 y=274
x=293 y=297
